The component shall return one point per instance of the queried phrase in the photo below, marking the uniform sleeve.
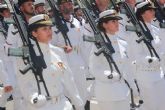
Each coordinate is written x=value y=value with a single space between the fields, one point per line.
x=67 y=78
x=71 y=88
x=4 y=76
x=13 y=38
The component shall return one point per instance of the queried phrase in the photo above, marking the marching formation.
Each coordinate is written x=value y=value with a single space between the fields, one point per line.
x=64 y=54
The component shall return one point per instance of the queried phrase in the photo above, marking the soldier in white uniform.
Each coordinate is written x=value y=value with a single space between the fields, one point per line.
x=87 y=31
x=13 y=40
x=57 y=75
x=112 y=93
x=79 y=14
x=40 y=7
x=73 y=45
x=147 y=67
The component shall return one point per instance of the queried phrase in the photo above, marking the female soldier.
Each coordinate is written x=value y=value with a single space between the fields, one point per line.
x=111 y=91
x=147 y=67
x=57 y=75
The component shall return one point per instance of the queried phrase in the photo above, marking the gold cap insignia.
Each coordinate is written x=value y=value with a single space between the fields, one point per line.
x=46 y=17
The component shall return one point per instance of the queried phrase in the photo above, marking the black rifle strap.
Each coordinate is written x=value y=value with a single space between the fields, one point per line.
x=65 y=36
x=149 y=43
x=144 y=28
x=106 y=55
x=66 y=39
x=110 y=58
x=147 y=31
x=118 y=71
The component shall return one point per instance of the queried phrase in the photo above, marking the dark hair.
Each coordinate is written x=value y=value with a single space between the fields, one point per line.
x=101 y=21
x=34 y=27
x=20 y=2
x=59 y=2
x=2 y=9
x=142 y=10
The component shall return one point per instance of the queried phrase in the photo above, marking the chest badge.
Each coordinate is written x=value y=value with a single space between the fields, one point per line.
x=61 y=65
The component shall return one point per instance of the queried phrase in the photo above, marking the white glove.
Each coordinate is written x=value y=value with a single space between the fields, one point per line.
x=155 y=59
x=38 y=100
x=113 y=76
x=148 y=59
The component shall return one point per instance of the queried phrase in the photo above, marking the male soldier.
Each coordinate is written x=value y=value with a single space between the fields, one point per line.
x=40 y=7
x=73 y=45
x=85 y=46
x=26 y=7
x=87 y=30
x=79 y=15
x=14 y=40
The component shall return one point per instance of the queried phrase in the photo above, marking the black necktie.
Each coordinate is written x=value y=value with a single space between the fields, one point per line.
x=71 y=23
